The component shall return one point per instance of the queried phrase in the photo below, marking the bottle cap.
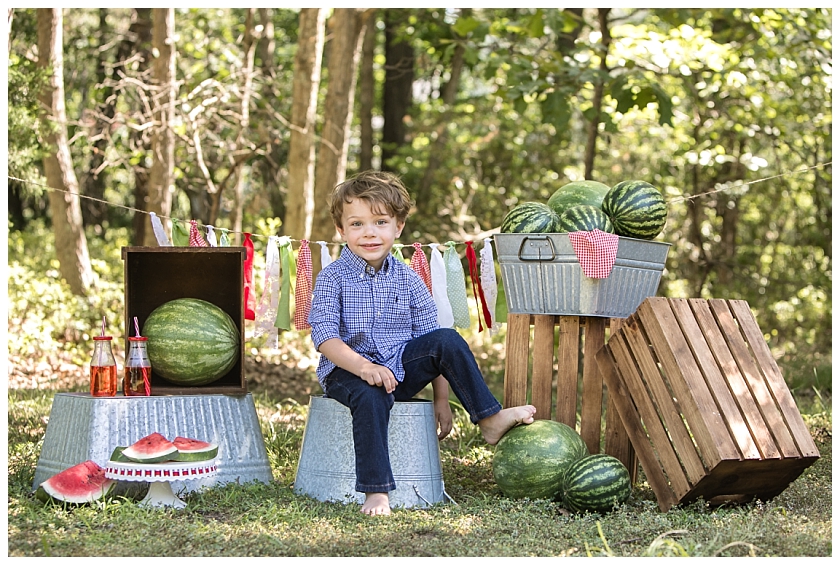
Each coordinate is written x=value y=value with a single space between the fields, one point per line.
x=138 y=338
x=102 y=338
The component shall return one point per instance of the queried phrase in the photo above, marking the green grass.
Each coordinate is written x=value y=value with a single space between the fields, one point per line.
x=271 y=520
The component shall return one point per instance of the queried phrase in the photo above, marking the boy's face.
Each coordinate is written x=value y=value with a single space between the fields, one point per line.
x=368 y=234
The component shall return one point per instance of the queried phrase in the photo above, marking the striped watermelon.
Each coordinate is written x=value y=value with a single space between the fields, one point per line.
x=577 y=193
x=191 y=342
x=585 y=218
x=596 y=483
x=636 y=209
x=530 y=217
x=530 y=460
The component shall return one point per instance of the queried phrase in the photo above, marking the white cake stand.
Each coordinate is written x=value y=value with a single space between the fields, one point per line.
x=159 y=475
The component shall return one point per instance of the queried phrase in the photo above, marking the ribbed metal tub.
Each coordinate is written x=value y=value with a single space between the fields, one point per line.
x=82 y=427
x=327 y=465
x=541 y=274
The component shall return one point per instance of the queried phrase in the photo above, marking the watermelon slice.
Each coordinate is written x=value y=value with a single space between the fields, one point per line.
x=80 y=484
x=154 y=448
x=194 y=449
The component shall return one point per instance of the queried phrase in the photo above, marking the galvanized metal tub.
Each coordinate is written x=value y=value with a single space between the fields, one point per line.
x=541 y=274
x=82 y=427
x=327 y=465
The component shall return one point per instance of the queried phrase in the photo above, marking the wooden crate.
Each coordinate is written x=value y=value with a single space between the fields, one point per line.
x=704 y=403
x=577 y=340
x=154 y=275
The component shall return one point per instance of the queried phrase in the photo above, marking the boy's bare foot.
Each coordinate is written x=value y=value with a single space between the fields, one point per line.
x=376 y=504
x=494 y=427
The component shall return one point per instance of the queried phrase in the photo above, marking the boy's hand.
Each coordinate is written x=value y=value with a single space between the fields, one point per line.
x=443 y=417
x=378 y=375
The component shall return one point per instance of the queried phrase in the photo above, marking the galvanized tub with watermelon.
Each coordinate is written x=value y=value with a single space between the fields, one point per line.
x=541 y=273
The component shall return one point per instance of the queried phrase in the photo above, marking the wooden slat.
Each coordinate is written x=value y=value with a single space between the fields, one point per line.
x=754 y=379
x=593 y=387
x=517 y=350
x=748 y=422
x=678 y=364
x=620 y=396
x=773 y=376
x=645 y=410
x=662 y=399
x=568 y=348
x=616 y=441
x=543 y=365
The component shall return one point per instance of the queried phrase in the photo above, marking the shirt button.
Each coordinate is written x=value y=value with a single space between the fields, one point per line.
x=379 y=313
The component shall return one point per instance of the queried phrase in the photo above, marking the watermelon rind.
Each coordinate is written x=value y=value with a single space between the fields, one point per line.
x=117 y=455
x=596 y=483
x=154 y=448
x=530 y=217
x=636 y=209
x=585 y=218
x=191 y=342
x=530 y=460
x=80 y=484
x=577 y=193
x=195 y=450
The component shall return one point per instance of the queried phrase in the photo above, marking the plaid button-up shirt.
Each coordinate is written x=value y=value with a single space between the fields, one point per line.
x=374 y=312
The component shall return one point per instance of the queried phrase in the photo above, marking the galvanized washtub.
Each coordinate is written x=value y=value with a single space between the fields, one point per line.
x=327 y=465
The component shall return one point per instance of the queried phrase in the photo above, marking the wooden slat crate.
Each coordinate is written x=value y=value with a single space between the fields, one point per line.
x=577 y=340
x=704 y=403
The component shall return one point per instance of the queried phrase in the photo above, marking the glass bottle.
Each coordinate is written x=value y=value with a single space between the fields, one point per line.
x=138 y=368
x=103 y=368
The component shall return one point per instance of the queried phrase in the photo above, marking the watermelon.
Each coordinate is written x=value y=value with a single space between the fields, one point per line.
x=577 y=193
x=595 y=483
x=191 y=342
x=636 y=208
x=80 y=484
x=154 y=448
x=530 y=460
x=585 y=218
x=530 y=217
x=194 y=449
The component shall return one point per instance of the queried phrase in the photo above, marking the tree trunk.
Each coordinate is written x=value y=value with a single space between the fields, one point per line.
x=300 y=206
x=399 y=80
x=598 y=96
x=160 y=188
x=367 y=89
x=70 y=243
x=347 y=29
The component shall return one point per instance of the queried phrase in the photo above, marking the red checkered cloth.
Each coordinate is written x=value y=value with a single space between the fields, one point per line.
x=421 y=266
x=303 y=286
x=595 y=251
x=196 y=239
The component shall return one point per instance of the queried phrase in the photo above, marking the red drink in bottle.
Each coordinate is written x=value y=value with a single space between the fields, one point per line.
x=103 y=368
x=138 y=369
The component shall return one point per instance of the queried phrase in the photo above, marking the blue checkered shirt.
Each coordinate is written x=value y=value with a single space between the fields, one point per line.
x=374 y=312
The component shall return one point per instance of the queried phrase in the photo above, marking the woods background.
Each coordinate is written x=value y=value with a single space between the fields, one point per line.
x=246 y=118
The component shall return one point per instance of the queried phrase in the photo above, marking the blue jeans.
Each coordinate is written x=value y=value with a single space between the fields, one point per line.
x=440 y=352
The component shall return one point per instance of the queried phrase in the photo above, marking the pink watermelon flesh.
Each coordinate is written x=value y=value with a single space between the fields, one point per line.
x=194 y=449
x=154 y=448
x=82 y=483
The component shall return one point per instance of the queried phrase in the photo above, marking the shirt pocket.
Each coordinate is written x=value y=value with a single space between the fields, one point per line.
x=396 y=310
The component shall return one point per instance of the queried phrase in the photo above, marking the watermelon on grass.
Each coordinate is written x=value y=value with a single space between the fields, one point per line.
x=636 y=208
x=530 y=217
x=194 y=449
x=585 y=218
x=80 y=484
x=192 y=342
x=577 y=193
x=530 y=460
x=154 y=448
x=595 y=483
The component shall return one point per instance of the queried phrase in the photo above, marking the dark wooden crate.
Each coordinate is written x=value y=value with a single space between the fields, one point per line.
x=155 y=275
x=575 y=394
x=704 y=403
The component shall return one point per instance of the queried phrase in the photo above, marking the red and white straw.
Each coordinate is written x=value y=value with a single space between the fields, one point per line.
x=136 y=327
x=103 y=326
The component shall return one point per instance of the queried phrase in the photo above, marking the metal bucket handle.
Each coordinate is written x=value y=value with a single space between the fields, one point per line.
x=539 y=257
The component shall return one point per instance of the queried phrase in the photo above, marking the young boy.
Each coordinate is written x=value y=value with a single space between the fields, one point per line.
x=374 y=322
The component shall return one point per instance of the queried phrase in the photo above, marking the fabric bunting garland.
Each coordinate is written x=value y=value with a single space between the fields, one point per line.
x=196 y=239
x=249 y=298
x=180 y=235
x=326 y=259
x=224 y=241
x=488 y=283
x=160 y=233
x=438 y=276
x=267 y=308
x=283 y=320
x=211 y=236
x=421 y=266
x=303 y=286
x=478 y=294
x=456 y=287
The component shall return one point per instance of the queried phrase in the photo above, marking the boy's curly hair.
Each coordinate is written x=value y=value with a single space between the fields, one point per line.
x=383 y=191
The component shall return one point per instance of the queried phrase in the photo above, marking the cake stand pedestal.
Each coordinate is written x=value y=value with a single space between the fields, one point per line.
x=159 y=476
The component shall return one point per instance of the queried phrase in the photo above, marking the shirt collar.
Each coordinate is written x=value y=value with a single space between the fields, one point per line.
x=358 y=265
